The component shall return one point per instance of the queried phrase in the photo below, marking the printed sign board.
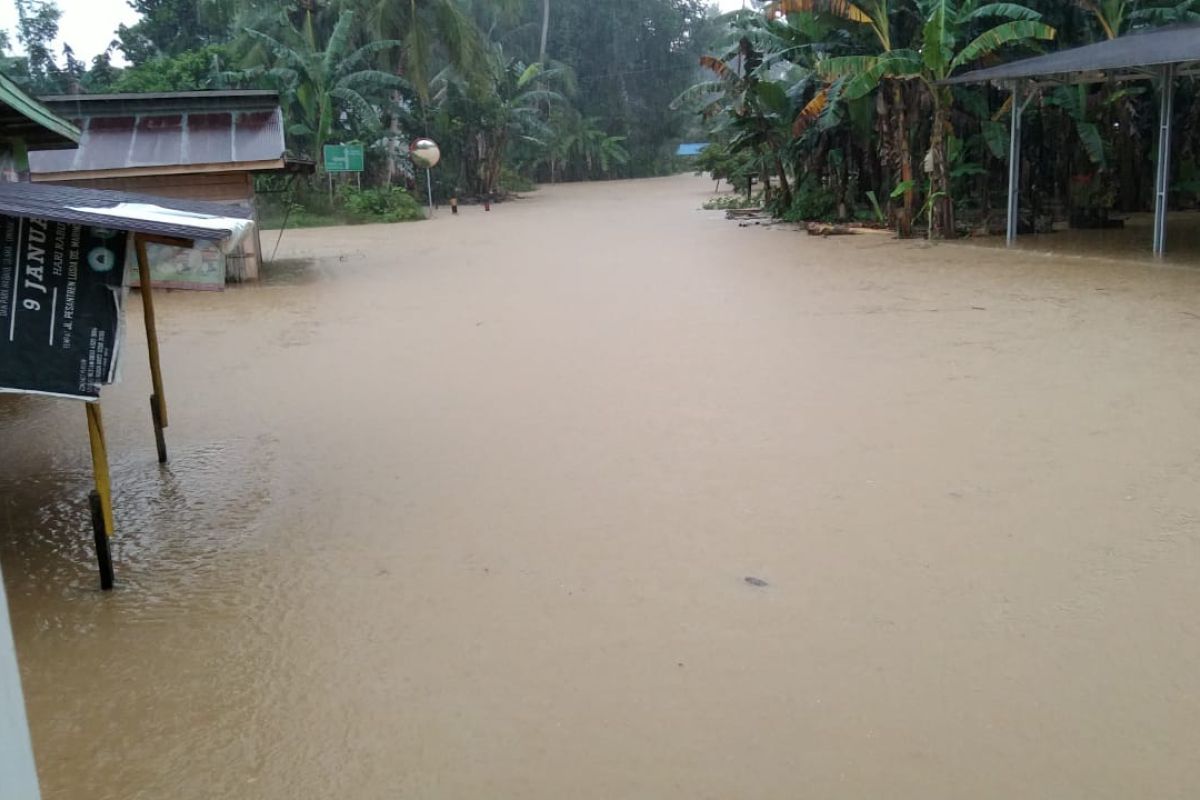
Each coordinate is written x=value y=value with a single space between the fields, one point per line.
x=196 y=268
x=60 y=306
x=343 y=158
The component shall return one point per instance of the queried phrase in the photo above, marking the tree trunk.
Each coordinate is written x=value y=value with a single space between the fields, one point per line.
x=545 y=31
x=494 y=162
x=941 y=218
x=905 y=216
x=783 y=181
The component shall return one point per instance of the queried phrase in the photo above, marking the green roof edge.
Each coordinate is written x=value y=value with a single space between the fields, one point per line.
x=13 y=96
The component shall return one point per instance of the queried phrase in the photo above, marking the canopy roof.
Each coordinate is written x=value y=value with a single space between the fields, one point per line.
x=140 y=213
x=1127 y=56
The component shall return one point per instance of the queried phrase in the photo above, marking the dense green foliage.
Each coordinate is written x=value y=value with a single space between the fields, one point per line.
x=385 y=204
x=514 y=91
x=843 y=98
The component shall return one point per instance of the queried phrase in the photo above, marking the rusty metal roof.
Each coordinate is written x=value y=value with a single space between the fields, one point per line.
x=237 y=130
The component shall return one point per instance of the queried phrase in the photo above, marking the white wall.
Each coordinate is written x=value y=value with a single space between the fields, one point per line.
x=18 y=777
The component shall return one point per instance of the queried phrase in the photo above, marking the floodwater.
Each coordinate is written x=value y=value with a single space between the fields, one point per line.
x=1131 y=242
x=467 y=509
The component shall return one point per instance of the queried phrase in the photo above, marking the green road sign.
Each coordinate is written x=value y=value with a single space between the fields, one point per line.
x=343 y=158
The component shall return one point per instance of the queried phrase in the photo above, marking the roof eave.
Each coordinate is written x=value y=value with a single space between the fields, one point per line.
x=159 y=170
x=54 y=130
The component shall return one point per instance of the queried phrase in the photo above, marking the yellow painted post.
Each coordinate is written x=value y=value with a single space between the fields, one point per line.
x=158 y=400
x=101 y=499
x=100 y=463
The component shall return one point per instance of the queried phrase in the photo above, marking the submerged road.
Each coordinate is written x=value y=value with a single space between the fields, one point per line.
x=468 y=509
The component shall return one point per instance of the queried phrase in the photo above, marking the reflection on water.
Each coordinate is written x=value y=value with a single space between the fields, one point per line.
x=288 y=271
x=1132 y=242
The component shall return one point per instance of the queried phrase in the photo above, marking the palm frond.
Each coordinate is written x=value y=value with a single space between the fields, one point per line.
x=997 y=37
x=361 y=55
x=718 y=67
x=338 y=40
x=357 y=104
x=1004 y=10
x=811 y=111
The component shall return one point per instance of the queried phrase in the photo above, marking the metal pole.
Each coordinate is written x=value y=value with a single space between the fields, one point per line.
x=1162 y=182
x=158 y=400
x=429 y=190
x=1014 y=167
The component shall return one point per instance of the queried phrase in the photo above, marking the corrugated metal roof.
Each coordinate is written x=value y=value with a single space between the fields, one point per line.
x=182 y=129
x=1155 y=48
x=70 y=204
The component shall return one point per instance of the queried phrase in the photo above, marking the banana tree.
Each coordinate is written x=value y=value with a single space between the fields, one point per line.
x=756 y=111
x=881 y=67
x=1117 y=17
x=322 y=80
x=948 y=39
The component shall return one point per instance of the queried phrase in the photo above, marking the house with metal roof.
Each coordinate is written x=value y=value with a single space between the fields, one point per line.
x=182 y=145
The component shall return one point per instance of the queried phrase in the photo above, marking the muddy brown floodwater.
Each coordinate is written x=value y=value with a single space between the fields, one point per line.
x=467 y=509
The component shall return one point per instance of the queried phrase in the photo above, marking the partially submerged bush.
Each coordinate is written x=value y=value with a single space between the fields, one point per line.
x=513 y=181
x=733 y=201
x=386 y=204
x=810 y=201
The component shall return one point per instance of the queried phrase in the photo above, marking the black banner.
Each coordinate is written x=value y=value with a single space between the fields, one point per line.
x=60 y=311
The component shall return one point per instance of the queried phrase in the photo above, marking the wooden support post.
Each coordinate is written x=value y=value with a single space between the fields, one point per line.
x=101 y=536
x=158 y=401
x=100 y=500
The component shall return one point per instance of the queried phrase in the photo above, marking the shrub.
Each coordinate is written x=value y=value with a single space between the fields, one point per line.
x=513 y=181
x=810 y=201
x=386 y=204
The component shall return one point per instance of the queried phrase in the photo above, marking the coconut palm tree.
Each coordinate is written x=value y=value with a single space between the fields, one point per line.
x=422 y=26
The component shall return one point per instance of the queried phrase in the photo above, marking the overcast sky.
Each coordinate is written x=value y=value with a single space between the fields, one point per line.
x=89 y=25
